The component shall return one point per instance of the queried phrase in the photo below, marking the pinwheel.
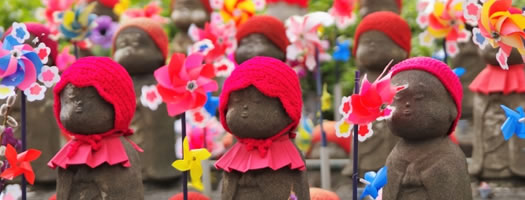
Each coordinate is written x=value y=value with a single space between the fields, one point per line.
x=211 y=104
x=459 y=71
x=514 y=124
x=192 y=162
x=48 y=13
x=342 y=10
x=20 y=164
x=500 y=25
x=342 y=51
x=304 y=134
x=77 y=24
x=19 y=63
x=443 y=20
x=237 y=11
x=374 y=182
x=184 y=82
x=326 y=99
x=302 y=31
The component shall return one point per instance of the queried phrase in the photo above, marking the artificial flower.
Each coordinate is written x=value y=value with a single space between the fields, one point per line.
x=76 y=24
x=224 y=67
x=49 y=76
x=302 y=31
x=443 y=20
x=42 y=51
x=35 y=92
x=514 y=124
x=20 y=32
x=6 y=91
x=152 y=11
x=192 y=162
x=121 y=7
x=374 y=182
x=150 y=97
x=20 y=164
x=342 y=51
x=198 y=117
x=326 y=99
x=342 y=10
x=184 y=82
x=65 y=59
x=19 y=64
x=103 y=33
x=501 y=24
x=343 y=129
x=203 y=47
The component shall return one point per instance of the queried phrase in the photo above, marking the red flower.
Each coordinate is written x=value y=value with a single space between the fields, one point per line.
x=20 y=164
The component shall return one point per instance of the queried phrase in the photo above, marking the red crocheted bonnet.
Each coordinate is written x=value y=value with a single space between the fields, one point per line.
x=151 y=27
x=269 y=26
x=271 y=77
x=191 y=196
x=441 y=71
x=389 y=23
x=42 y=33
x=301 y=3
x=112 y=82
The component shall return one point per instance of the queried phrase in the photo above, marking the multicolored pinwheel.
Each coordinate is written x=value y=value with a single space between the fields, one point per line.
x=442 y=19
x=304 y=134
x=515 y=123
x=20 y=164
x=183 y=84
x=374 y=182
x=500 y=25
x=237 y=11
x=48 y=12
x=77 y=24
x=192 y=162
x=342 y=10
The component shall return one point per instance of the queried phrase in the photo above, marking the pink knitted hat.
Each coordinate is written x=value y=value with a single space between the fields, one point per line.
x=42 y=32
x=441 y=71
x=270 y=76
x=112 y=82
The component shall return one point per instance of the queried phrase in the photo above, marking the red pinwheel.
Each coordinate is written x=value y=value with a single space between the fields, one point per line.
x=184 y=82
x=20 y=164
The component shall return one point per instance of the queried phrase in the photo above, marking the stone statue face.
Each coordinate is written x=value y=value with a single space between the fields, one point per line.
x=83 y=111
x=187 y=12
x=251 y=114
x=370 y=6
x=136 y=51
x=489 y=55
x=375 y=50
x=257 y=45
x=424 y=110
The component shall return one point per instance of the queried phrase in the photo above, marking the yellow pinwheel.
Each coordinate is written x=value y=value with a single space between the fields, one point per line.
x=237 y=10
x=326 y=99
x=192 y=162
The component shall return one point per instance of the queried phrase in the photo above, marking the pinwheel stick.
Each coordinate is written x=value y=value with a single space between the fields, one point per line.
x=23 y=111
x=355 y=175
x=325 y=157
x=184 y=173
x=445 y=55
x=76 y=50
x=206 y=172
x=338 y=91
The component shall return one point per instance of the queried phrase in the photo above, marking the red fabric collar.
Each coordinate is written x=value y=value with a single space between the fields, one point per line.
x=262 y=145
x=93 y=140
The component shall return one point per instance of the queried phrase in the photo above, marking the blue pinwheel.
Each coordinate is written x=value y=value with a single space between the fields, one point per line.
x=514 y=123
x=211 y=104
x=77 y=24
x=342 y=51
x=19 y=64
x=459 y=71
x=374 y=182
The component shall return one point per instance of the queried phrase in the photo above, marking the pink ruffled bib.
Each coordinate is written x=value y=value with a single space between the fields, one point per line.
x=93 y=150
x=494 y=79
x=252 y=154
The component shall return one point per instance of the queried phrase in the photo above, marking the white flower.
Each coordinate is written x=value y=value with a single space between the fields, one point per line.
x=49 y=76
x=198 y=117
x=43 y=52
x=224 y=67
x=19 y=32
x=6 y=91
x=203 y=46
x=150 y=97
x=35 y=92
x=343 y=129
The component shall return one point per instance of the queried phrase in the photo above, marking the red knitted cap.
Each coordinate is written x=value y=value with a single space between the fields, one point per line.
x=441 y=71
x=42 y=32
x=269 y=26
x=112 y=82
x=389 y=23
x=329 y=129
x=107 y=3
x=271 y=77
x=151 y=27
x=301 y=3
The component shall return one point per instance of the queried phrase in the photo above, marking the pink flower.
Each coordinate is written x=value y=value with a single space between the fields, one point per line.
x=49 y=76
x=342 y=11
x=35 y=92
x=65 y=59
x=150 y=97
x=184 y=82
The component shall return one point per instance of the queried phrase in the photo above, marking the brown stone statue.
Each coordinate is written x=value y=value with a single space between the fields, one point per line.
x=367 y=7
x=261 y=106
x=94 y=103
x=380 y=38
x=42 y=133
x=105 y=7
x=141 y=46
x=425 y=163
x=283 y=9
x=185 y=13
x=492 y=156
x=261 y=35
x=468 y=58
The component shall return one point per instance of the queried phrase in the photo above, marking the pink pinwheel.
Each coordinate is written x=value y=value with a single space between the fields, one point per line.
x=500 y=25
x=342 y=10
x=152 y=11
x=302 y=31
x=20 y=164
x=184 y=82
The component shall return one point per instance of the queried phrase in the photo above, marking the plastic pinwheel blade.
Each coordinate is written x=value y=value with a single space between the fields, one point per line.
x=381 y=178
x=369 y=190
x=508 y=128
x=512 y=124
